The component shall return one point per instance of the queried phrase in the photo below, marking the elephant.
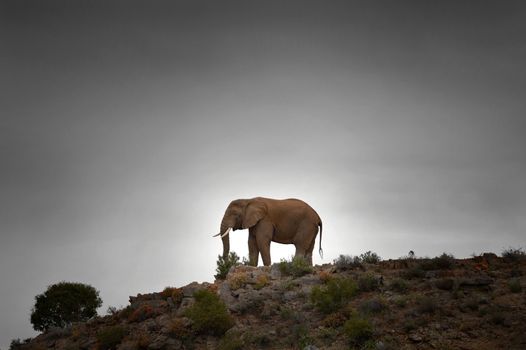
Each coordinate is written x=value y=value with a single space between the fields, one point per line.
x=287 y=221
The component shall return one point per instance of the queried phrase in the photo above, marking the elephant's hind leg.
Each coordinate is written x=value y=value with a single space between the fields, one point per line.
x=305 y=240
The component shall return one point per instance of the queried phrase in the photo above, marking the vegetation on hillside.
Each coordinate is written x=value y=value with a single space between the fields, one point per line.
x=64 y=303
x=358 y=302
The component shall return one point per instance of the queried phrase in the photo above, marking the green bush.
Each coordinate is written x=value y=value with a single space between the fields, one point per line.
x=370 y=258
x=399 y=285
x=347 y=262
x=64 y=303
x=515 y=285
x=224 y=265
x=231 y=341
x=372 y=306
x=426 y=305
x=16 y=344
x=175 y=293
x=445 y=283
x=368 y=283
x=110 y=337
x=209 y=314
x=514 y=255
x=333 y=295
x=413 y=273
x=442 y=262
x=297 y=267
x=358 y=330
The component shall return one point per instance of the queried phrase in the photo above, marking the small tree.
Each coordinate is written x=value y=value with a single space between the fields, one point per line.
x=224 y=264
x=64 y=303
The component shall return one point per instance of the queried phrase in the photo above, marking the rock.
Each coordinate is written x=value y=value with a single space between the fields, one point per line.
x=415 y=338
x=173 y=344
x=158 y=342
x=189 y=290
x=275 y=273
x=269 y=309
x=307 y=282
x=247 y=300
x=290 y=295
x=211 y=343
x=185 y=304
x=163 y=322
x=87 y=343
x=380 y=345
x=170 y=302
x=311 y=347
x=445 y=284
x=483 y=281
x=148 y=325
x=127 y=345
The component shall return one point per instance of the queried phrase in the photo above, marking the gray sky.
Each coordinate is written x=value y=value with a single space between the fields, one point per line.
x=127 y=128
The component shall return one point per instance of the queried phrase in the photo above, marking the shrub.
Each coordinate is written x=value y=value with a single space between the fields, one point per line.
x=496 y=315
x=300 y=335
x=142 y=339
x=16 y=344
x=175 y=293
x=64 y=303
x=333 y=295
x=125 y=313
x=358 y=330
x=445 y=283
x=347 y=262
x=514 y=255
x=368 y=283
x=142 y=313
x=372 y=306
x=471 y=303
x=399 y=285
x=515 y=285
x=180 y=328
x=409 y=325
x=110 y=337
x=224 y=265
x=325 y=276
x=286 y=313
x=231 y=341
x=209 y=314
x=400 y=302
x=442 y=262
x=426 y=305
x=413 y=273
x=237 y=280
x=297 y=267
x=335 y=320
x=370 y=258
x=261 y=281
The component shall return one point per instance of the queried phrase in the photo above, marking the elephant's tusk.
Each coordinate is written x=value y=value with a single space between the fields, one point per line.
x=217 y=234
x=226 y=233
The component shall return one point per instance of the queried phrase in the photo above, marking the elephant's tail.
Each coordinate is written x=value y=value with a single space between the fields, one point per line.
x=321 y=230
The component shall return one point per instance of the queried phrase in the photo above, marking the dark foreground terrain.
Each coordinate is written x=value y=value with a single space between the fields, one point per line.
x=439 y=303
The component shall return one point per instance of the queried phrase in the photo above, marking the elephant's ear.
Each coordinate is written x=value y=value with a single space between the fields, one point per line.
x=254 y=212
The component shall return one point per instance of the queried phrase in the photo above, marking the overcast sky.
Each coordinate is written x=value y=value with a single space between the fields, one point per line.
x=128 y=127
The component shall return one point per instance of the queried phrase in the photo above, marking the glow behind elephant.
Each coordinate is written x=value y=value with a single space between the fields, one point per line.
x=287 y=221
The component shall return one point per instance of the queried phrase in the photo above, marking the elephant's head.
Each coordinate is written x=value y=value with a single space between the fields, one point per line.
x=240 y=214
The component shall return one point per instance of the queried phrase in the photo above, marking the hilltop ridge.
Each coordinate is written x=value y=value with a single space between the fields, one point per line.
x=409 y=303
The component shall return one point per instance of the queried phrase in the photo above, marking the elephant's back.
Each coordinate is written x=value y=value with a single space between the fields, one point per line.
x=293 y=205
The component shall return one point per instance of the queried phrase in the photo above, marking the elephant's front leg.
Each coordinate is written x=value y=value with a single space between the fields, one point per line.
x=253 y=251
x=263 y=234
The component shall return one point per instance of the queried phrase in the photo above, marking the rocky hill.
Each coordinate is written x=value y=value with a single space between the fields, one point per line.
x=439 y=303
